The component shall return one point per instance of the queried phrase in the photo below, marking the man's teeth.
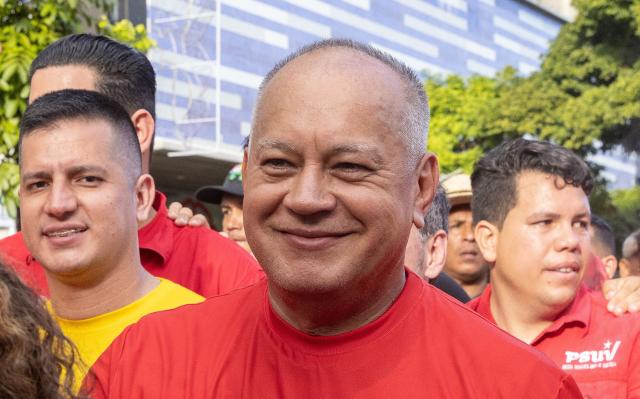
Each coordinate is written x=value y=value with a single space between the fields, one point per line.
x=64 y=233
x=565 y=270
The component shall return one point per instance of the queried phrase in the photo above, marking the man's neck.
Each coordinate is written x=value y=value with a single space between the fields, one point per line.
x=475 y=288
x=337 y=312
x=74 y=299
x=519 y=315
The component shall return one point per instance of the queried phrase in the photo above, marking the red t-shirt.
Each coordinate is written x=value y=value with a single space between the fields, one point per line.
x=600 y=350
x=197 y=258
x=426 y=345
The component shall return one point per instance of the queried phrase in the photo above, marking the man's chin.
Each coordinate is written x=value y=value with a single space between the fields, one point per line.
x=560 y=297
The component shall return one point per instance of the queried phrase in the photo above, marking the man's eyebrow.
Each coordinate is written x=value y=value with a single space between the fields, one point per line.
x=584 y=214
x=36 y=175
x=270 y=144
x=80 y=169
x=369 y=150
x=544 y=215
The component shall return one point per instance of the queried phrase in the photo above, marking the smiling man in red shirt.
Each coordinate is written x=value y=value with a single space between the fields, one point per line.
x=531 y=212
x=197 y=258
x=334 y=176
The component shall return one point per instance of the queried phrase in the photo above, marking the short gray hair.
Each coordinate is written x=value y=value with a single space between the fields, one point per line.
x=416 y=119
x=631 y=245
x=437 y=218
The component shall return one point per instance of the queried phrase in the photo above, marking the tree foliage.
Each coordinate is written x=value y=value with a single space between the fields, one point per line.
x=586 y=95
x=26 y=27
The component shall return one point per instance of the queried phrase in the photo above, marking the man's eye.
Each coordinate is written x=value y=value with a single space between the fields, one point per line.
x=351 y=167
x=36 y=185
x=276 y=163
x=545 y=222
x=90 y=179
x=582 y=224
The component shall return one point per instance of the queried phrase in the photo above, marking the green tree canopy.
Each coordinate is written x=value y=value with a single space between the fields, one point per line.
x=26 y=27
x=586 y=95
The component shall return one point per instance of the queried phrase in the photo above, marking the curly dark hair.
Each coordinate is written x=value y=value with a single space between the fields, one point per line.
x=493 y=180
x=34 y=353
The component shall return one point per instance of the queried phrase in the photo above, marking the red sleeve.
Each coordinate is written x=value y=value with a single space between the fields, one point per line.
x=14 y=253
x=568 y=389
x=230 y=267
x=96 y=383
x=104 y=372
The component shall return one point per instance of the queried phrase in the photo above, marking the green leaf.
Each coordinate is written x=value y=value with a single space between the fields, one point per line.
x=10 y=108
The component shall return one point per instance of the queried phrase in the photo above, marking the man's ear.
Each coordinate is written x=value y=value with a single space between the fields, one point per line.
x=145 y=125
x=145 y=193
x=610 y=265
x=486 y=236
x=428 y=178
x=436 y=254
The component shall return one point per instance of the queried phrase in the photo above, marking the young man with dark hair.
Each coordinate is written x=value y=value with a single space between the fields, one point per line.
x=197 y=258
x=531 y=214
x=328 y=215
x=82 y=193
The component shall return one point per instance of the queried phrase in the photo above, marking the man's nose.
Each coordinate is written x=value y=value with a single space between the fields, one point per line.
x=61 y=201
x=309 y=192
x=568 y=238
x=233 y=220
x=466 y=231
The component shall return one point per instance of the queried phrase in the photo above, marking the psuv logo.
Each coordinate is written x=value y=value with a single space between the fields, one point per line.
x=594 y=359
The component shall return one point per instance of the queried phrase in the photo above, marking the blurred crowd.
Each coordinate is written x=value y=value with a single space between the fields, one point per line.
x=346 y=265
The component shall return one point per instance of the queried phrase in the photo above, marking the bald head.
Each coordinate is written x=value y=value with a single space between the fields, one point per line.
x=339 y=63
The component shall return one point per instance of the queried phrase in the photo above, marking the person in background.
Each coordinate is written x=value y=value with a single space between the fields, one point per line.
x=630 y=261
x=464 y=260
x=34 y=353
x=602 y=262
x=197 y=258
x=531 y=214
x=82 y=195
x=335 y=175
x=426 y=249
x=229 y=197
x=603 y=244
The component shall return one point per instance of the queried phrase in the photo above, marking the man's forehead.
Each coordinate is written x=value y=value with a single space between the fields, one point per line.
x=56 y=136
x=337 y=148
x=538 y=191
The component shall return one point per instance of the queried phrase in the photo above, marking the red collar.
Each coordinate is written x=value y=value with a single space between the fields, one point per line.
x=404 y=304
x=157 y=235
x=579 y=312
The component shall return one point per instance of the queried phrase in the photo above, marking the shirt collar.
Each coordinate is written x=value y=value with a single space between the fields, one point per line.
x=579 y=312
x=157 y=235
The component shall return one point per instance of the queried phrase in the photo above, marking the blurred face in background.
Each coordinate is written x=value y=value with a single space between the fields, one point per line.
x=233 y=221
x=464 y=262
